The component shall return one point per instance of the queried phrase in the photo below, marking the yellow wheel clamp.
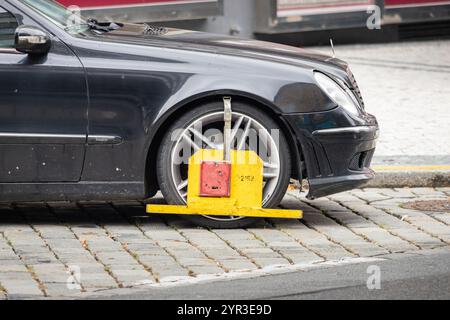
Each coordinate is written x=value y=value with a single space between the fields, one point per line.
x=225 y=183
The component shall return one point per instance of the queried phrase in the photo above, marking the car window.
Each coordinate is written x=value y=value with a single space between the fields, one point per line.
x=61 y=16
x=8 y=25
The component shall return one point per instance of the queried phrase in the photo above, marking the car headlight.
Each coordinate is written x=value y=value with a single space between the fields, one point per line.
x=342 y=97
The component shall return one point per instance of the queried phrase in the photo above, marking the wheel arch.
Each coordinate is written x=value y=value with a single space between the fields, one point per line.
x=270 y=109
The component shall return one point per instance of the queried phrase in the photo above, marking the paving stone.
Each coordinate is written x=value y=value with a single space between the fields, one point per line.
x=223 y=253
x=128 y=233
x=163 y=272
x=396 y=226
x=369 y=230
x=129 y=277
x=286 y=246
x=16 y=267
x=181 y=249
x=213 y=247
x=369 y=195
x=423 y=222
x=245 y=242
x=69 y=244
x=172 y=243
x=30 y=249
x=426 y=191
x=56 y=267
x=134 y=271
x=38 y=258
x=445 y=190
x=52 y=274
x=150 y=251
x=74 y=251
x=205 y=240
x=432 y=226
x=237 y=264
x=313 y=240
x=165 y=234
x=97 y=280
x=152 y=260
x=134 y=249
x=48 y=279
x=16 y=275
x=423 y=240
x=11 y=262
x=105 y=245
x=264 y=252
x=21 y=287
x=69 y=259
x=270 y=262
x=115 y=257
x=234 y=234
x=398 y=193
x=192 y=261
x=209 y=269
x=442 y=217
x=31 y=244
x=62 y=290
x=8 y=255
x=126 y=266
x=347 y=197
x=89 y=267
x=88 y=233
x=163 y=266
x=339 y=234
x=54 y=231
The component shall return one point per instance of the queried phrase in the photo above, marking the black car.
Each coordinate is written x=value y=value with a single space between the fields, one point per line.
x=100 y=111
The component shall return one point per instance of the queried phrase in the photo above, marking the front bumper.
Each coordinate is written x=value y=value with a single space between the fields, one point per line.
x=349 y=152
x=338 y=157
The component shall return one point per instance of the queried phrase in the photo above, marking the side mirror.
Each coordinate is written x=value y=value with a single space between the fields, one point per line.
x=32 y=41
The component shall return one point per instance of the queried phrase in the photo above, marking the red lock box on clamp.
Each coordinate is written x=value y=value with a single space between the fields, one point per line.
x=215 y=179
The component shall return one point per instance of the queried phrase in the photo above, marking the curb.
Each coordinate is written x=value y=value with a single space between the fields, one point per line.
x=410 y=176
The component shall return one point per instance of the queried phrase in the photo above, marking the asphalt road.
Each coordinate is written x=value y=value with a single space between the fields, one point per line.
x=403 y=276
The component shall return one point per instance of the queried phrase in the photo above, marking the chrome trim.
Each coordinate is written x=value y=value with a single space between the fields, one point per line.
x=50 y=138
x=104 y=139
x=359 y=129
x=40 y=138
x=10 y=51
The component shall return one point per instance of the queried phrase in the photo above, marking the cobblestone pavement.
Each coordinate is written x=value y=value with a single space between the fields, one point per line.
x=77 y=250
x=406 y=86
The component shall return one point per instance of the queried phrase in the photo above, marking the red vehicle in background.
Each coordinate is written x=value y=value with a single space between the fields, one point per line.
x=147 y=10
x=390 y=4
x=273 y=18
x=283 y=15
x=312 y=15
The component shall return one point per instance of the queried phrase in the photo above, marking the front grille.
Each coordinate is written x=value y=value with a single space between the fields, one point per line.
x=355 y=88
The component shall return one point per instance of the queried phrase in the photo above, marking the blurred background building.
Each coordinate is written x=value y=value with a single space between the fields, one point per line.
x=297 y=22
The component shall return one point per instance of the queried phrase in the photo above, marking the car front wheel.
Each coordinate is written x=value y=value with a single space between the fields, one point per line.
x=201 y=128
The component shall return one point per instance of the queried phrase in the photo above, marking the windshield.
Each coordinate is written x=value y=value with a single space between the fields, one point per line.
x=68 y=19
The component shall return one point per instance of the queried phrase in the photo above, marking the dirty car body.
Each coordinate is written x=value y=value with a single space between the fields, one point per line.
x=85 y=120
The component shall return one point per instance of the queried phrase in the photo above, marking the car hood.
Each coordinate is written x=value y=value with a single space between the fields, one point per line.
x=143 y=34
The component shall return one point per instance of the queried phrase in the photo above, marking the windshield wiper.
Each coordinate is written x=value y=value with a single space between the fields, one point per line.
x=93 y=24
x=102 y=26
x=154 y=30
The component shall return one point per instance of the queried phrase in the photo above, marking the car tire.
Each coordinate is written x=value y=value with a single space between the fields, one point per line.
x=164 y=171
